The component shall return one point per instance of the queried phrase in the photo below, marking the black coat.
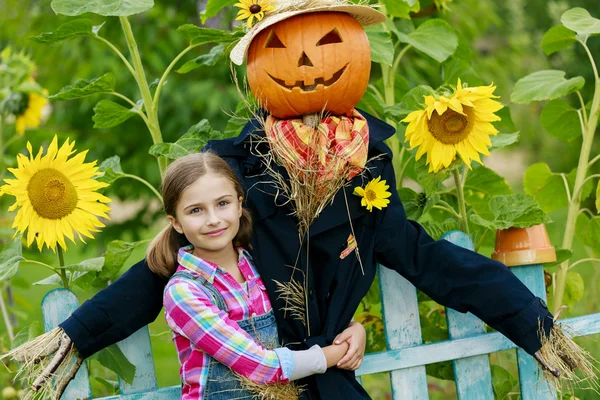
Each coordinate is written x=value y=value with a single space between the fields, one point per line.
x=452 y=276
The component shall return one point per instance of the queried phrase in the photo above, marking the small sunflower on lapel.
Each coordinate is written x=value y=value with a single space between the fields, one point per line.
x=375 y=194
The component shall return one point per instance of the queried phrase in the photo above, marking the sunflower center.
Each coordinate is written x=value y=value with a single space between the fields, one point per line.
x=370 y=194
x=51 y=193
x=451 y=127
x=255 y=8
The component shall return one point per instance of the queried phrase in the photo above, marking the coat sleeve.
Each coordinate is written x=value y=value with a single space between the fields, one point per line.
x=458 y=278
x=126 y=305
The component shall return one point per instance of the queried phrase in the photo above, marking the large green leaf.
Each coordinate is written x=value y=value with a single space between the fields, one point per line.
x=516 y=210
x=205 y=60
x=557 y=38
x=401 y=8
x=579 y=20
x=437 y=229
x=561 y=256
x=431 y=182
x=561 y=120
x=547 y=188
x=574 y=288
x=588 y=231
x=502 y=381
x=213 y=7
x=118 y=8
x=382 y=47
x=455 y=68
x=545 y=85
x=481 y=185
x=92 y=264
x=192 y=142
x=435 y=37
x=417 y=204
x=68 y=30
x=86 y=87
x=413 y=100
x=10 y=258
x=502 y=140
x=52 y=280
x=115 y=257
x=111 y=169
x=108 y=114
x=197 y=35
x=113 y=358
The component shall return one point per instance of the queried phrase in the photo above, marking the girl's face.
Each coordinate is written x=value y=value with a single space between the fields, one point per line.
x=208 y=214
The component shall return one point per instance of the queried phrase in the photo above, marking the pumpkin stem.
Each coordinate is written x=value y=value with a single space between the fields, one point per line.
x=312 y=120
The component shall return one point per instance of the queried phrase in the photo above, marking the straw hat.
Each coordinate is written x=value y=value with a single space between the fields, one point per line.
x=284 y=9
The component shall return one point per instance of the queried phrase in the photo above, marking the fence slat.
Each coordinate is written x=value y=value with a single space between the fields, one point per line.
x=532 y=387
x=57 y=306
x=138 y=350
x=170 y=393
x=400 y=311
x=472 y=375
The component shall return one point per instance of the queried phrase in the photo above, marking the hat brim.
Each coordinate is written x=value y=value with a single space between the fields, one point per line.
x=365 y=15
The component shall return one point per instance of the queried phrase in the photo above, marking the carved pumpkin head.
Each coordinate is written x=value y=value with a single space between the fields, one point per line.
x=309 y=63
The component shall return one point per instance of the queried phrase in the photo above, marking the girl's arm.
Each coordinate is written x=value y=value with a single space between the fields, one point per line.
x=190 y=313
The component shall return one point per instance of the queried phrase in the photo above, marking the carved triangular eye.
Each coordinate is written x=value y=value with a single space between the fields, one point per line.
x=330 y=38
x=273 y=42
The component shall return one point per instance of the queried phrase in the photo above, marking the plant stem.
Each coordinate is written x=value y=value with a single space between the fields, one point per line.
x=62 y=272
x=118 y=52
x=575 y=203
x=9 y=327
x=140 y=77
x=461 y=201
x=448 y=210
x=594 y=160
x=40 y=263
x=137 y=178
x=167 y=72
x=583 y=110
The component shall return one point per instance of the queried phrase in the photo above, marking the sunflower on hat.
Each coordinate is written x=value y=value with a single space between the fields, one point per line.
x=251 y=9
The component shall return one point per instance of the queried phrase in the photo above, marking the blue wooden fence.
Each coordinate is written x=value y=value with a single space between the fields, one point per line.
x=405 y=359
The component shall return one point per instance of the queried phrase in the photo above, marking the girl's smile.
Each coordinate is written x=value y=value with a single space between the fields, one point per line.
x=216 y=233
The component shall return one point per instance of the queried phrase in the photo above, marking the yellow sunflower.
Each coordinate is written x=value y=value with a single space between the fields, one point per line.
x=56 y=196
x=30 y=114
x=460 y=124
x=375 y=194
x=251 y=9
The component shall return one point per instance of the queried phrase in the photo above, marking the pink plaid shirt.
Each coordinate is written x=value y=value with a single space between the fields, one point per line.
x=201 y=330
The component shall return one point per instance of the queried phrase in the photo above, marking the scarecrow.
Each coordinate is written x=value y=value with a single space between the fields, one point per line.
x=318 y=176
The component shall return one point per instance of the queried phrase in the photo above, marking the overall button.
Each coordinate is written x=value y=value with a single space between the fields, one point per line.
x=543 y=303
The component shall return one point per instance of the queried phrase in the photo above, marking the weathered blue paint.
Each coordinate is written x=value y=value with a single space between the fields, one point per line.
x=138 y=351
x=170 y=393
x=532 y=387
x=400 y=310
x=58 y=305
x=472 y=375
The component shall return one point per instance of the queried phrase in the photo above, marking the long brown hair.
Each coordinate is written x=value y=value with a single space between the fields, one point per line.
x=162 y=253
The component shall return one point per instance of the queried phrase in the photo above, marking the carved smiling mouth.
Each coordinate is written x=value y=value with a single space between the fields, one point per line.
x=311 y=88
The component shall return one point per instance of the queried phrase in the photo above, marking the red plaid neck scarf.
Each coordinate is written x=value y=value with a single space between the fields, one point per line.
x=338 y=138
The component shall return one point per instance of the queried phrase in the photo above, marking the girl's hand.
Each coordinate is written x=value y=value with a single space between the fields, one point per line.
x=356 y=337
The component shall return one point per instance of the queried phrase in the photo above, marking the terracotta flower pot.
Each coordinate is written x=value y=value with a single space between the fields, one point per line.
x=523 y=246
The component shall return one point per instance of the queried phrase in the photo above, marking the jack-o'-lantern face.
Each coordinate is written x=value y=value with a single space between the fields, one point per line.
x=310 y=63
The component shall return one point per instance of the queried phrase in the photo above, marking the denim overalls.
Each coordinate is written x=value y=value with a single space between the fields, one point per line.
x=222 y=383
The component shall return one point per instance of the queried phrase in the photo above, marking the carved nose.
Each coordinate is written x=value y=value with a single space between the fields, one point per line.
x=305 y=61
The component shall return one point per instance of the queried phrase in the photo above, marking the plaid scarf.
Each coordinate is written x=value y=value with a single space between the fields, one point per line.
x=338 y=147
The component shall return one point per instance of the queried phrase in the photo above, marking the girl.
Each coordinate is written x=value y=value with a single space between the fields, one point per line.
x=215 y=301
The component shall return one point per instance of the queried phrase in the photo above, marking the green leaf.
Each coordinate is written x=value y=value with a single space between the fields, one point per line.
x=545 y=85
x=598 y=198
x=382 y=47
x=111 y=168
x=588 y=231
x=111 y=386
x=116 y=254
x=86 y=87
x=535 y=178
x=118 y=8
x=205 y=60
x=197 y=35
x=579 y=20
x=562 y=255
x=27 y=333
x=413 y=100
x=437 y=229
x=68 y=30
x=401 y=8
x=434 y=37
x=557 y=38
x=108 y=114
x=502 y=381
x=516 y=210
x=52 y=280
x=561 y=120
x=213 y=7
x=417 y=204
x=502 y=140
x=431 y=182
x=574 y=288
x=113 y=358
x=92 y=264
x=10 y=258
x=192 y=142
x=455 y=68
x=547 y=188
x=481 y=186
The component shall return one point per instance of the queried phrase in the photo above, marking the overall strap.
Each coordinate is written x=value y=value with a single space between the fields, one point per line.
x=217 y=298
